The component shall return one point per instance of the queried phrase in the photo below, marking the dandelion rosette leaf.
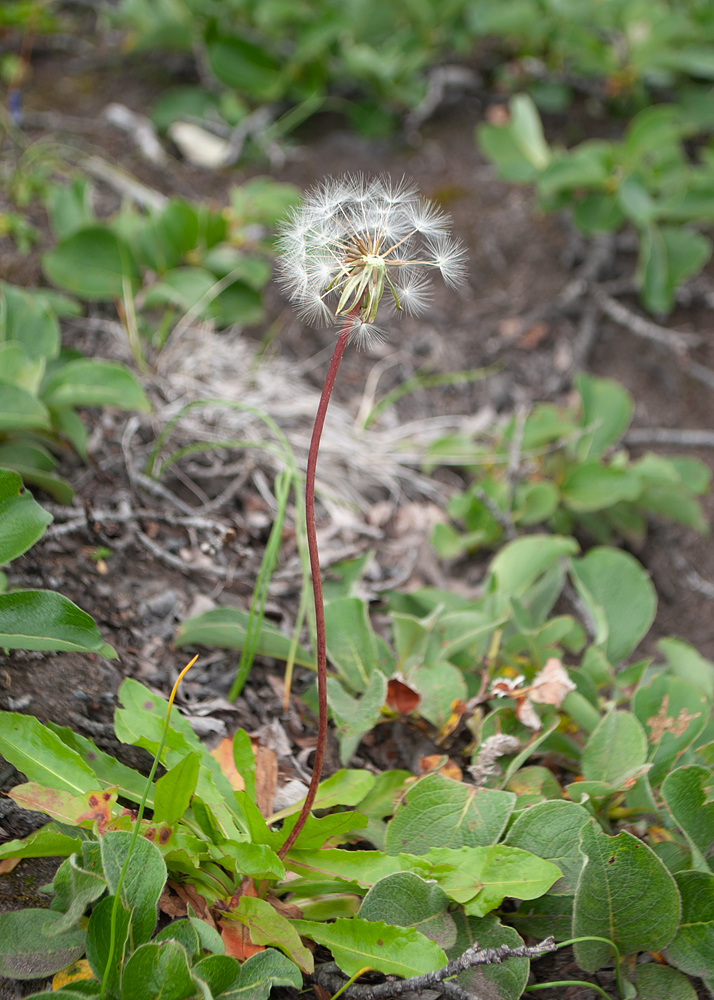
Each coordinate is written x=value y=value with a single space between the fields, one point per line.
x=353 y=239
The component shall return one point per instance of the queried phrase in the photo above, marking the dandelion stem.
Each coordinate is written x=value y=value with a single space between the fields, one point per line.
x=317 y=583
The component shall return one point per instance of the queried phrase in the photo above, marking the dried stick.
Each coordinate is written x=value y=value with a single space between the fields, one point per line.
x=329 y=977
x=642 y=327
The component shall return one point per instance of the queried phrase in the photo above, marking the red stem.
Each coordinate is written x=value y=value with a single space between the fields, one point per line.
x=317 y=586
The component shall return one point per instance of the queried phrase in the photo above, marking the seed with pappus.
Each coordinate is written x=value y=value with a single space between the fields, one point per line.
x=353 y=239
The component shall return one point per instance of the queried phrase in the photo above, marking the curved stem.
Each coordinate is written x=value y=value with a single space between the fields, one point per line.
x=317 y=586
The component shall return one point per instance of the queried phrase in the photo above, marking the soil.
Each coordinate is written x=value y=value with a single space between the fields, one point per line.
x=519 y=262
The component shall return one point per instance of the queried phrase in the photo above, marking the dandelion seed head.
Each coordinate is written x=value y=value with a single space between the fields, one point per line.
x=354 y=239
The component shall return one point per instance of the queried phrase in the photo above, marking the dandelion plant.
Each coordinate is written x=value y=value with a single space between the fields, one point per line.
x=352 y=240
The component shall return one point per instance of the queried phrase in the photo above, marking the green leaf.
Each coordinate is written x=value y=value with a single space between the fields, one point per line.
x=616 y=749
x=520 y=563
x=92 y=264
x=267 y=926
x=158 y=972
x=260 y=973
x=505 y=981
x=659 y=982
x=27 y=318
x=19 y=410
x=607 y=407
x=551 y=830
x=547 y=915
x=527 y=131
x=245 y=67
x=355 y=717
x=684 y=661
x=74 y=888
x=673 y=714
x=145 y=878
x=109 y=771
x=592 y=486
x=481 y=877
x=440 y=812
x=227 y=628
x=636 y=202
x=22 y=520
x=498 y=144
x=89 y=382
x=438 y=684
x=69 y=207
x=343 y=788
x=625 y=894
x=685 y=792
x=361 y=867
x=172 y=792
x=406 y=900
x=36 y=751
x=98 y=938
x=356 y=943
x=218 y=972
x=669 y=255
x=692 y=950
x=620 y=597
x=47 y=842
x=27 y=949
x=182 y=286
x=43 y=619
x=352 y=646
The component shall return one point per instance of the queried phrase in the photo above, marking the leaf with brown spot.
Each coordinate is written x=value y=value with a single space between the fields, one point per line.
x=437 y=762
x=236 y=938
x=401 y=698
x=94 y=806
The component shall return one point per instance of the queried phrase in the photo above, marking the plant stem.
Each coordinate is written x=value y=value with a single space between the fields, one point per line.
x=317 y=586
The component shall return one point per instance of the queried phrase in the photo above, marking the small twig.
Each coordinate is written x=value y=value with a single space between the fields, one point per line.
x=330 y=978
x=669 y=435
x=692 y=579
x=218 y=572
x=701 y=374
x=642 y=327
x=123 y=183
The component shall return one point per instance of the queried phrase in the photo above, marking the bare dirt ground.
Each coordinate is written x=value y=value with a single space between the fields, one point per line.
x=519 y=263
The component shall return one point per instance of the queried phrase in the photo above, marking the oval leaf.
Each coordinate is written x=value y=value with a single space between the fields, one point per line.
x=43 y=619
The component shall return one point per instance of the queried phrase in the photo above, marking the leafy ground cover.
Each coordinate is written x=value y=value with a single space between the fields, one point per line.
x=506 y=712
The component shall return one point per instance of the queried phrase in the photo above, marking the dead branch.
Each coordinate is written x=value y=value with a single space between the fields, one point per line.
x=331 y=978
x=641 y=327
x=669 y=435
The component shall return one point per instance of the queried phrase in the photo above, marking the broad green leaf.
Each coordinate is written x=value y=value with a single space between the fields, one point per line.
x=659 y=982
x=361 y=867
x=620 y=597
x=546 y=915
x=636 y=201
x=227 y=627
x=27 y=949
x=607 y=407
x=356 y=943
x=527 y=131
x=19 y=410
x=256 y=860
x=92 y=264
x=267 y=926
x=74 y=888
x=343 y=788
x=167 y=235
x=89 y=382
x=406 y=900
x=498 y=144
x=685 y=792
x=551 y=830
x=505 y=981
x=42 y=756
x=352 y=646
x=684 y=661
x=519 y=563
x=47 y=842
x=441 y=812
x=625 y=894
x=43 y=620
x=218 y=972
x=438 y=684
x=158 y=972
x=354 y=717
x=244 y=66
x=184 y=287
x=69 y=206
x=692 y=950
x=27 y=319
x=591 y=486
x=260 y=973
x=172 y=792
x=145 y=878
x=673 y=713
x=98 y=939
x=615 y=749
x=481 y=877
x=22 y=520
x=109 y=771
